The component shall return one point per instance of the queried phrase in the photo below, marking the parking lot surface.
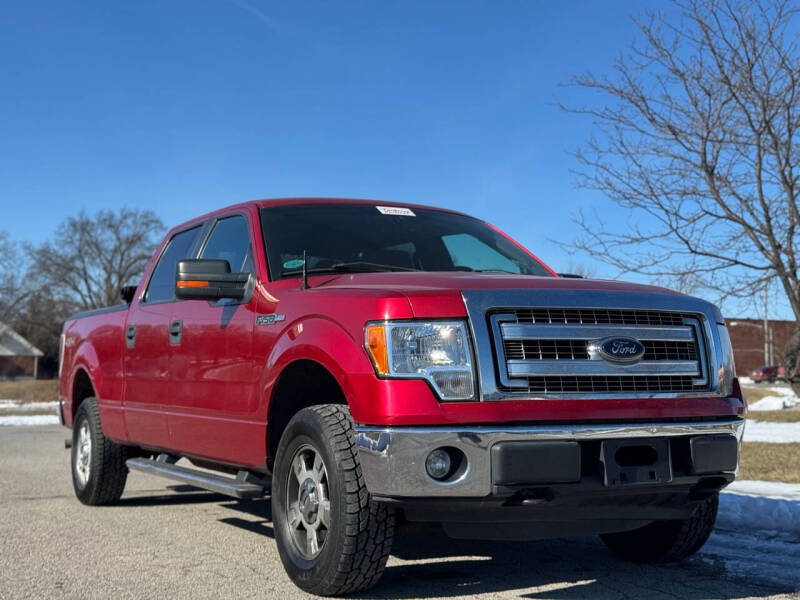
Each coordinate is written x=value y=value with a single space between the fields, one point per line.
x=168 y=541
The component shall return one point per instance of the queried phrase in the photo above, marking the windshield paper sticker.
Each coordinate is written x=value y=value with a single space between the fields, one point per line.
x=395 y=210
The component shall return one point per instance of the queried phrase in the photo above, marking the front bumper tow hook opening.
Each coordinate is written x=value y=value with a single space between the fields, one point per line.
x=530 y=498
x=533 y=501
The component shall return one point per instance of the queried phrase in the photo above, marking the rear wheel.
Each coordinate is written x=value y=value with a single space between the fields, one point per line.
x=332 y=537
x=666 y=541
x=99 y=472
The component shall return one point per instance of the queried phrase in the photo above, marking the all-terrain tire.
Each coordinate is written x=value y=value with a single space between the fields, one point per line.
x=667 y=541
x=359 y=535
x=104 y=480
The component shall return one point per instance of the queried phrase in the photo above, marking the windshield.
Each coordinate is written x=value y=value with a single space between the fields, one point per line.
x=364 y=238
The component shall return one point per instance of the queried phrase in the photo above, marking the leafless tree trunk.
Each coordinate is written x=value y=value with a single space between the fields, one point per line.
x=699 y=138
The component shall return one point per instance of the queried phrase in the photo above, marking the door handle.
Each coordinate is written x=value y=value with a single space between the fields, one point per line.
x=175 y=332
x=130 y=336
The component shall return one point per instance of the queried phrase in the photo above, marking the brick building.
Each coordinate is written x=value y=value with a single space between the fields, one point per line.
x=749 y=349
x=18 y=357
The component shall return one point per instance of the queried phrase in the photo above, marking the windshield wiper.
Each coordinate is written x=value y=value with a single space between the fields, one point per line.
x=471 y=270
x=356 y=266
x=366 y=266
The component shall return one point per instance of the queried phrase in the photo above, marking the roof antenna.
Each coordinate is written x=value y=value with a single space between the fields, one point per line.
x=305 y=285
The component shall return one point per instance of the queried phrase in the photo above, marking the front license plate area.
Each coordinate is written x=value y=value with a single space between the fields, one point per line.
x=636 y=462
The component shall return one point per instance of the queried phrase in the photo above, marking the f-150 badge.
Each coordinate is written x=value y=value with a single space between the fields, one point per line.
x=269 y=319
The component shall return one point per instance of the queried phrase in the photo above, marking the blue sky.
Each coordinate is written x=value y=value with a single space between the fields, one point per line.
x=186 y=106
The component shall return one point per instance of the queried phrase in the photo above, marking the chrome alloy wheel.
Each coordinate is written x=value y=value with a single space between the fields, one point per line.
x=308 y=502
x=83 y=454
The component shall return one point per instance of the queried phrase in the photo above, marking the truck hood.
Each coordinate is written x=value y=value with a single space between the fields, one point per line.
x=433 y=294
x=458 y=280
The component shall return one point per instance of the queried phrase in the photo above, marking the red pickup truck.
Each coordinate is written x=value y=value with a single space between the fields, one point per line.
x=362 y=363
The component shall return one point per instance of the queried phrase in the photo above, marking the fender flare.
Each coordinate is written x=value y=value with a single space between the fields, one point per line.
x=86 y=360
x=319 y=339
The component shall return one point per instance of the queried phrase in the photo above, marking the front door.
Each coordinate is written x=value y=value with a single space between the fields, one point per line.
x=213 y=396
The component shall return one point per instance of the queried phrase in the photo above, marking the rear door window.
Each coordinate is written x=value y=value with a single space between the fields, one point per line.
x=230 y=240
x=162 y=283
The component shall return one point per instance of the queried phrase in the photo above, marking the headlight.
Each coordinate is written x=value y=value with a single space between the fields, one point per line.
x=437 y=351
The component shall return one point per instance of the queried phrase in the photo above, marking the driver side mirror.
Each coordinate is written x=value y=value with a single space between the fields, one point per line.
x=208 y=279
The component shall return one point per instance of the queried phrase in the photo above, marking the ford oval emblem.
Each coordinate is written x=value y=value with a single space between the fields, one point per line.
x=619 y=349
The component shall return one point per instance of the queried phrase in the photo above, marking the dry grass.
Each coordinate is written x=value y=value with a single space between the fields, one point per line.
x=791 y=415
x=30 y=390
x=770 y=462
x=754 y=394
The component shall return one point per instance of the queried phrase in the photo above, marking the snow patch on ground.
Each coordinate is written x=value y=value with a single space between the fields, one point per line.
x=773 y=403
x=18 y=406
x=780 y=398
x=761 y=506
x=755 y=556
x=768 y=489
x=758 y=532
x=17 y=420
x=746 y=380
x=775 y=433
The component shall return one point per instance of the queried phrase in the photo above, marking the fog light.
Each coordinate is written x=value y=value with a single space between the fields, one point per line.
x=438 y=464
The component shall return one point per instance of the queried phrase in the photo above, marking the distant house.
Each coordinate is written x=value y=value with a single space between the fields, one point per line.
x=18 y=357
x=752 y=348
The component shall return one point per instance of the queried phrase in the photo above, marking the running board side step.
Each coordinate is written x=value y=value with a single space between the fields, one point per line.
x=244 y=485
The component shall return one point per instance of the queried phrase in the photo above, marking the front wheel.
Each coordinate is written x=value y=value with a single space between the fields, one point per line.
x=99 y=472
x=667 y=541
x=332 y=537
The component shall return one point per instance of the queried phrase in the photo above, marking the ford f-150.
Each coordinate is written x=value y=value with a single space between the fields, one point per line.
x=364 y=362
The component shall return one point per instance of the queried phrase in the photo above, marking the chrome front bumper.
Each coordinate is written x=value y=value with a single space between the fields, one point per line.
x=393 y=459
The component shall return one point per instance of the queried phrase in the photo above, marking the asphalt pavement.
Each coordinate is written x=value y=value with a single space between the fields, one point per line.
x=171 y=541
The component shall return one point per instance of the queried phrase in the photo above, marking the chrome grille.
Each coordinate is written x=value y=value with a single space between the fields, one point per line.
x=666 y=350
x=577 y=349
x=551 y=350
x=598 y=316
x=606 y=384
x=545 y=349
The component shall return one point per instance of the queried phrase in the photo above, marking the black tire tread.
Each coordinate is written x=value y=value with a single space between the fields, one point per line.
x=109 y=473
x=667 y=541
x=369 y=526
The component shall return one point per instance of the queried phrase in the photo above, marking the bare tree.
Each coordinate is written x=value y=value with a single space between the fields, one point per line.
x=39 y=320
x=699 y=138
x=91 y=258
x=581 y=269
x=13 y=288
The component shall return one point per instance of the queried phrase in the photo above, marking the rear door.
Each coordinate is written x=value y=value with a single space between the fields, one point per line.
x=147 y=341
x=213 y=399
